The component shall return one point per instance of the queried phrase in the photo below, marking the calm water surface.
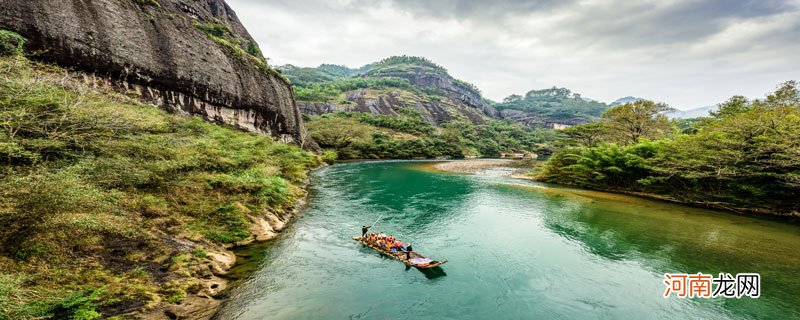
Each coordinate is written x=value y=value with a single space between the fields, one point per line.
x=517 y=250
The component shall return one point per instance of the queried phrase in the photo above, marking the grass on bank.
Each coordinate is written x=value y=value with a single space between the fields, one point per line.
x=96 y=188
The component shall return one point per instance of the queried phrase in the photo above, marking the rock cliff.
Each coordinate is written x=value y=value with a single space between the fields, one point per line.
x=387 y=86
x=452 y=88
x=435 y=110
x=190 y=56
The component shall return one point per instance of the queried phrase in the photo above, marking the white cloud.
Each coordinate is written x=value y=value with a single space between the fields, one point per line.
x=686 y=53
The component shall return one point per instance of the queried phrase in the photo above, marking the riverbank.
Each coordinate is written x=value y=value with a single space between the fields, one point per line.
x=115 y=208
x=205 y=304
x=519 y=169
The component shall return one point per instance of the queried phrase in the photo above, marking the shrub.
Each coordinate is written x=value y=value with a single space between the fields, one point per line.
x=10 y=42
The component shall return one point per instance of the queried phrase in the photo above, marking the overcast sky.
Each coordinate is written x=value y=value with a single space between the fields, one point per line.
x=683 y=52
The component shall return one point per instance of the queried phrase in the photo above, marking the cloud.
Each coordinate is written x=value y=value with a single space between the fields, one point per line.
x=688 y=53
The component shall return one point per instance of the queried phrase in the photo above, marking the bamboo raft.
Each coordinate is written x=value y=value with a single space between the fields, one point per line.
x=401 y=255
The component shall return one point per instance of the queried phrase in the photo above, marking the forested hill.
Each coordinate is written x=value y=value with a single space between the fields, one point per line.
x=404 y=107
x=549 y=108
x=385 y=87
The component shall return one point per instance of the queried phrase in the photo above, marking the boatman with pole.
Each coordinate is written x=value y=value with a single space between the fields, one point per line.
x=364 y=230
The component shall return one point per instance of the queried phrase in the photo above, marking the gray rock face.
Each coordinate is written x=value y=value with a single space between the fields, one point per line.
x=451 y=99
x=380 y=102
x=452 y=89
x=154 y=49
x=534 y=121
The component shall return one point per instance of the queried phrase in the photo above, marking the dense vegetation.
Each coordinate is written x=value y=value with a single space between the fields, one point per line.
x=97 y=188
x=301 y=76
x=357 y=135
x=745 y=157
x=555 y=105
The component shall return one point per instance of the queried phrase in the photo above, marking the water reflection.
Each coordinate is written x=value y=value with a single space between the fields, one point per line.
x=672 y=238
x=411 y=202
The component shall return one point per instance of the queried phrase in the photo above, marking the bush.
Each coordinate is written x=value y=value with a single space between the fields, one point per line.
x=10 y=42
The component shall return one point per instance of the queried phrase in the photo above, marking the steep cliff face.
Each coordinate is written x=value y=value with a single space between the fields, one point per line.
x=192 y=56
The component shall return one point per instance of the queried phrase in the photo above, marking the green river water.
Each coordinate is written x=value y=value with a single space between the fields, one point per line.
x=516 y=249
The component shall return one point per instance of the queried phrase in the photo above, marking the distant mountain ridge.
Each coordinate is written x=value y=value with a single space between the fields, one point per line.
x=625 y=100
x=691 y=113
x=417 y=83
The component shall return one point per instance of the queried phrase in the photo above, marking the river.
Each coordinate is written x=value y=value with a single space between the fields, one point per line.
x=517 y=250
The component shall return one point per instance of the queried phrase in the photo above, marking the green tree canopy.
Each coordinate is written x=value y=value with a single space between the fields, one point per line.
x=630 y=122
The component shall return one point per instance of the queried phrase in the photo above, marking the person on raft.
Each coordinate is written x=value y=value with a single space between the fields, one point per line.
x=364 y=230
x=408 y=251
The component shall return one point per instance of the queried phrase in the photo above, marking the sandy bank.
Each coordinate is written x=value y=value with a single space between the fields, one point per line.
x=519 y=169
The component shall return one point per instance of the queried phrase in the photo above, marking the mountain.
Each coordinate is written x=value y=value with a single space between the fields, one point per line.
x=402 y=82
x=624 y=100
x=189 y=56
x=674 y=114
x=550 y=108
x=386 y=88
x=692 y=113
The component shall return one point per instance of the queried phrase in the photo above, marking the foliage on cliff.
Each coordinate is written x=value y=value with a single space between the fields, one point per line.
x=555 y=105
x=237 y=46
x=746 y=157
x=358 y=135
x=97 y=188
x=402 y=65
x=10 y=42
x=329 y=82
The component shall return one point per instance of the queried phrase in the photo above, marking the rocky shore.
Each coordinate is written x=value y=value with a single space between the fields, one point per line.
x=206 y=301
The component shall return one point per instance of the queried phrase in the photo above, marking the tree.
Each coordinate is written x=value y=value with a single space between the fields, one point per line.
x=589 y=134
x=512 y=98
x=787 y=94
x=734 y=105
x=630 y=122
x=338 y=132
